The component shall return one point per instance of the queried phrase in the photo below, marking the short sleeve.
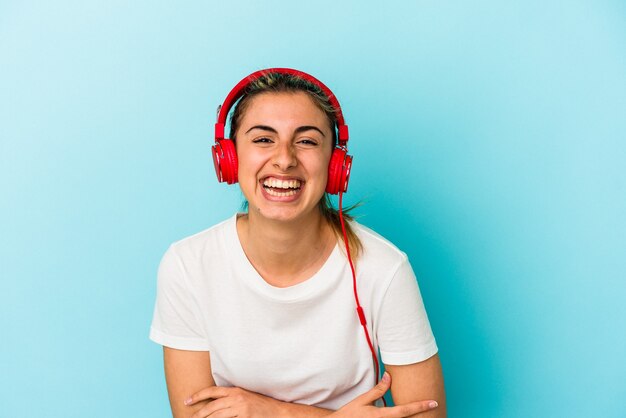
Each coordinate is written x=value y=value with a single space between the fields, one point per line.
x=175 y=322
x=403 y=331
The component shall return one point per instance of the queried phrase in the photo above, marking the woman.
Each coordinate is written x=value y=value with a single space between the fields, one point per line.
x=256 y=314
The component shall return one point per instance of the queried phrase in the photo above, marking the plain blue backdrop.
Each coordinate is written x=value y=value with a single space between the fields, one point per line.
x=489 y=143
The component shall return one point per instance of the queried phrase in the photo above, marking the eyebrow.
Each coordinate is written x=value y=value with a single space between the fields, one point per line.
x=299 y=129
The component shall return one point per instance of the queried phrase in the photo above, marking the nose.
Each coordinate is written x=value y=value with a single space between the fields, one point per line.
x=285 y=157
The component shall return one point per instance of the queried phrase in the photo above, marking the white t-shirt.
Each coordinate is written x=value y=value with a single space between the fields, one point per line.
x=302 y=343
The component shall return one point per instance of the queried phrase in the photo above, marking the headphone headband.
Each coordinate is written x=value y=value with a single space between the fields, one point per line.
x=239 y=90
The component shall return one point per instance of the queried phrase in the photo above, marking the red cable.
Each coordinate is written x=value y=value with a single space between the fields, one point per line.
x=359 y=309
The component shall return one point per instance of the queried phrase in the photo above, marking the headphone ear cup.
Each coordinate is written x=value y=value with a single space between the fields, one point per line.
x=338 y=171
x=225 y=160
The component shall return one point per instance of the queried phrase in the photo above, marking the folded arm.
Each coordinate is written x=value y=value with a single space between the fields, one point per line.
x=193 y=394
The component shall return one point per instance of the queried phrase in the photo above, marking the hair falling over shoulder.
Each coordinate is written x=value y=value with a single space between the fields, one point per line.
x=331 y=215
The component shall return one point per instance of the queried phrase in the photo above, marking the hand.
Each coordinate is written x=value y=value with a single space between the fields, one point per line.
x=362 y=407
x=230 y=402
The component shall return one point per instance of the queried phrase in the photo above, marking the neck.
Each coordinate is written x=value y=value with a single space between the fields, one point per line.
x=286 y=253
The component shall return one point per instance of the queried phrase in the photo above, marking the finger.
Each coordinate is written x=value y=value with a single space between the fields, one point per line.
x=212 y=392
x=376 y=392
x=409 y=409
x=210 y=413
x=212 y=408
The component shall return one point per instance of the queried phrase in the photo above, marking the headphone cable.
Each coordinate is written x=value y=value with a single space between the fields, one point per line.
x=359 y=309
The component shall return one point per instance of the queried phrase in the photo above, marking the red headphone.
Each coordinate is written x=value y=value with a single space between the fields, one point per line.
x=225 y=156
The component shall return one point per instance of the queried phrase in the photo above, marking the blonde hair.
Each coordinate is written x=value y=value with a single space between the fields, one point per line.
x=273 y=82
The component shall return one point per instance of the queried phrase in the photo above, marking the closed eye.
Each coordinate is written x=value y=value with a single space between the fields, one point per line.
x=307 y=141
x=262 y=140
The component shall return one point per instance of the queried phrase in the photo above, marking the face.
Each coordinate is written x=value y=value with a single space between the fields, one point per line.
x=284 y=144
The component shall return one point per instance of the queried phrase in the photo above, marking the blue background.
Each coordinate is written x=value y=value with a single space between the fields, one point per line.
x=489 y=142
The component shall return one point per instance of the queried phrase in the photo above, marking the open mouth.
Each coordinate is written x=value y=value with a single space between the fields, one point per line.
x=280 y=188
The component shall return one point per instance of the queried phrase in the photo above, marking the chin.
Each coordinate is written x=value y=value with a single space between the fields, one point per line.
x=278 y=215
x=283 y=214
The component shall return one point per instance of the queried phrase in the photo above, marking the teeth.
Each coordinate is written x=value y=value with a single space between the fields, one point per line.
x=275 y=193
x=281 y=184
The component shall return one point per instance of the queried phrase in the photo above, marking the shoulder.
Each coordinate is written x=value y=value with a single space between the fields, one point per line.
x=207 y=241
x=378 y=248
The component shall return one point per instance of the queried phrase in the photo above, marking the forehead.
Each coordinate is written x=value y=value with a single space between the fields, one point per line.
x=283 y=106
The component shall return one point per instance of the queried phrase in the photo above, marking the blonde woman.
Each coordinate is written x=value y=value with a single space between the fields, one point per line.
x=257 y=314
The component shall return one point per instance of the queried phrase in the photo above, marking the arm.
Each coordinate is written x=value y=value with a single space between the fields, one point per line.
x=186 y=372
x=414 y=382
x=243 y=404
x=190 y=371
x=362 y=406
